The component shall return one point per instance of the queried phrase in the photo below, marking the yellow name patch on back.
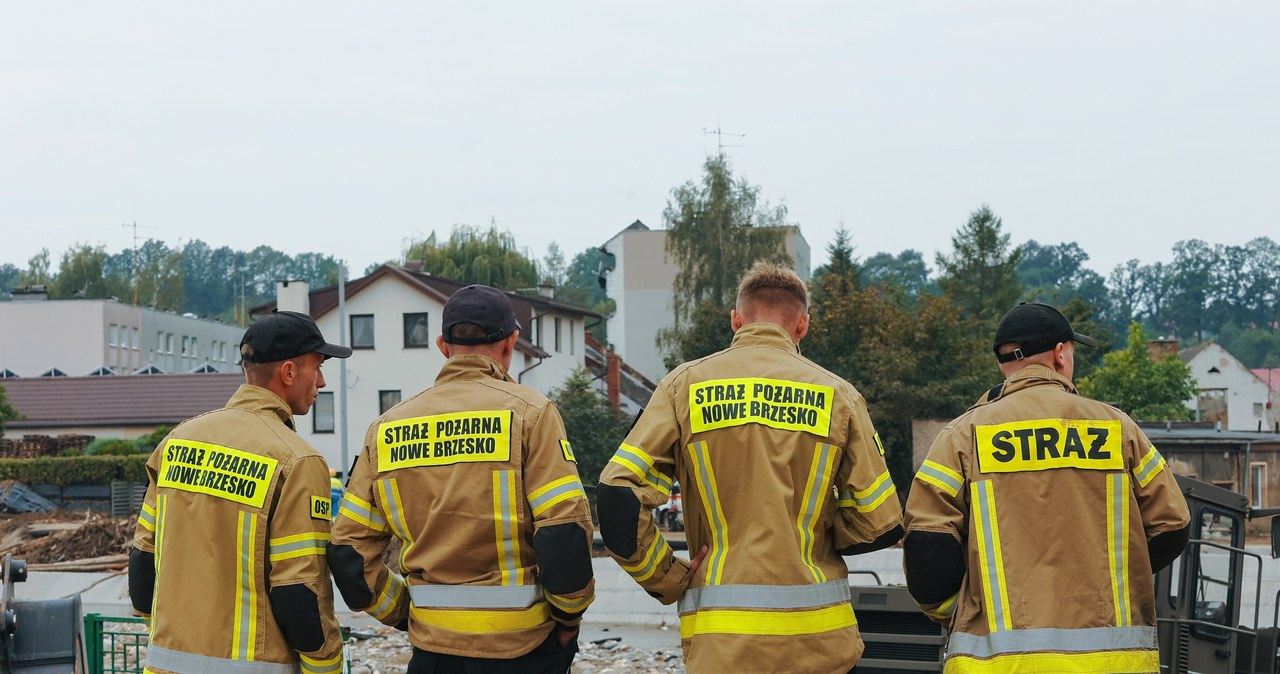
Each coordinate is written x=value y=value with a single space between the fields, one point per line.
x=1047 y=444
x=206 y=468
x=321 y=508
x=776 y=403
x=445 y=439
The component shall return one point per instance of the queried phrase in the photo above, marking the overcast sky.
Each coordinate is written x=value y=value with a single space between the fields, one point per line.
x=347 y=128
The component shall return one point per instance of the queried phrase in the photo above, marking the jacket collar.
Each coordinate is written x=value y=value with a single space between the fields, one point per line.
x=763 y=334
x=261 y=401
x=1036 y=375
x=471 y=366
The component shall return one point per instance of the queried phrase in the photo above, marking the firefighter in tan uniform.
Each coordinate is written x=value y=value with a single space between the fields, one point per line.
x=781 y=472
x=476 y=481
x=229 y=556
x=1038 y=518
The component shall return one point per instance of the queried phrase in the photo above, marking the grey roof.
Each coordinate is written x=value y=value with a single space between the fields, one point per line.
x=1192 y=351
x=1206 y=436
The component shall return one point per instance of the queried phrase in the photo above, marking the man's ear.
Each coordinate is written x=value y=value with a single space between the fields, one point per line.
x=287 y=371
x=442 y=345
x=735 y=319
x=801 y=329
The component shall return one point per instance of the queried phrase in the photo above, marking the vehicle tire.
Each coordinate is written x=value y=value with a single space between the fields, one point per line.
x=673 y=521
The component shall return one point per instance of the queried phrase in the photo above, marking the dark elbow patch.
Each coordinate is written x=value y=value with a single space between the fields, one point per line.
x=297 y=611
x=347 y=567
x=934 y=564
x=142 y=580
x=619 y=512
x=564 y=558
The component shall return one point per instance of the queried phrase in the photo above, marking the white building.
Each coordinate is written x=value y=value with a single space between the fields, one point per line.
x=1229 y=391
x=641 y=284
x=393 y=319
x=81 y=337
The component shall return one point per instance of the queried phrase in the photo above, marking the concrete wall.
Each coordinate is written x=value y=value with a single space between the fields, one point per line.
x=206 y=342
x=69 y=335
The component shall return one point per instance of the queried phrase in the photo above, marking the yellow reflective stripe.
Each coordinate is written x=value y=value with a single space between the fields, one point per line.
x=642 y=465
x=941 y=477
x=298 y=545
x=705 y=478
x=162 y=501
x=555 y=492
x=361 y=511
x=389 y=489
x=870 y=498
x=815 y=490
x=386 y=602
x=1150 y=466
x=947 y=609
x=483 y=622
x=767 y=622
x=506 y=518
x=1059 y=663
x=644 y=569
x=570 y=605
x=244 y=632
x=990 y=557
x=1118 y=545
x=318 y=666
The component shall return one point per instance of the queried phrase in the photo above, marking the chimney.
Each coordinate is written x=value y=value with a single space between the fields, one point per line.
x=293 y=296
x=546 y=290
x=32 y=293
x=1162 y=346
x=613 y=380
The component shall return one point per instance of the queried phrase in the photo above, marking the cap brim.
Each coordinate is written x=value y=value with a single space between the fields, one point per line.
x=334 y=351
x=1084 y=339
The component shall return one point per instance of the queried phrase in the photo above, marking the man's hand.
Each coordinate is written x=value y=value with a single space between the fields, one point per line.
x=565 y=634
x=696 y=561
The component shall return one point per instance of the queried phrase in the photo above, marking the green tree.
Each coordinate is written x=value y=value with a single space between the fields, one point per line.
x=584 y=286
x=7 y=412
x=37 y=272
x=82 y=274
x=981 y=274
x=594 y=429
x=553 y=267
x=716 y=229
x=906 y=271
x=1146 y=389
x=158 y=277
x=9 y=278
x=475 y=255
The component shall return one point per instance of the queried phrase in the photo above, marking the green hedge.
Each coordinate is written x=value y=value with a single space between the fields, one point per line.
x=64 y=471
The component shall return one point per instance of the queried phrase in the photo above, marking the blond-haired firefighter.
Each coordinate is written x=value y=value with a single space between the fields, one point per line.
x=1038 y=517
x=782 y=473
x=475 y=480
x=229 y=557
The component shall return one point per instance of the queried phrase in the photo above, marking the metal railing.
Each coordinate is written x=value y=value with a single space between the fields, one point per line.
x=113 y=651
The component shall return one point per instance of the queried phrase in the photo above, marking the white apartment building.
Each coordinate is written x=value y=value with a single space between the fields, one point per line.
x=641 y=284
x=393 y=319
x=45 y=337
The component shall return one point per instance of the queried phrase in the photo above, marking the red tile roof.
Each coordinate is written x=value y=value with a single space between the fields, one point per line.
x=120 y=400
x=1269 y=375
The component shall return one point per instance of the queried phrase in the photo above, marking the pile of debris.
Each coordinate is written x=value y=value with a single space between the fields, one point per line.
x=60 y=540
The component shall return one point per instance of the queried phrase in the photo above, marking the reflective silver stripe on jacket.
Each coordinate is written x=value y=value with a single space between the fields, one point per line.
x=764 y=596
x=159 y=657
x=1084 y=639
x=473 y=596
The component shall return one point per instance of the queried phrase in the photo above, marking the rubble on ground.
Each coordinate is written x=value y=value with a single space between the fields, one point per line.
x=61 y=540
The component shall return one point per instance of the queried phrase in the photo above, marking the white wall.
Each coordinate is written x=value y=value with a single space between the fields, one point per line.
x=208 y=336
x=69 y=335
x=1244 y=391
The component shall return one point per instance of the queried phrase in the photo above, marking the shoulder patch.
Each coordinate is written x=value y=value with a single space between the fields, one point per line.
x=568 y=451
x=321 y=508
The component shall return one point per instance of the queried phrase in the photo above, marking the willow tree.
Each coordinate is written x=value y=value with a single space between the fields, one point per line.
x=476 y=255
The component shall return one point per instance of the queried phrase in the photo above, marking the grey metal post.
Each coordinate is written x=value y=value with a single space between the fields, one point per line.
x=342 y=370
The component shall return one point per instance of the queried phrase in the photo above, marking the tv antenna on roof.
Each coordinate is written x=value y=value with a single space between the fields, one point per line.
x=720 y=134
x=133 y=262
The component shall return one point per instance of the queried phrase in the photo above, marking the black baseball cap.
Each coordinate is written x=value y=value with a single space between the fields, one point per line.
x=281 y=335
x=486 y=307
x=1036 y=327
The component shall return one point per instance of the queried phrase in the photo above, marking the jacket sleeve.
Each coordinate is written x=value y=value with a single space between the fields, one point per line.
x=934 y=556
x=865 y=495
x=142 y=558
x=301 y=592
x=561 y=518
x=360 y=536
x=637 y=479
x=1165 y=517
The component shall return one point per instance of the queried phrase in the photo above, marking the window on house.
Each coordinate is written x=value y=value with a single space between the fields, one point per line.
x=362 y=331
x=387 y=400
x=111 y=334
x=195 y=348
x=1257 y=410
x=416 y=334
x=557 y=330
x=160 y=342
x=322 y=413
x=168 y=342
x=572 y=337
x=186 y=344
x=537 y=330
x=134 y=341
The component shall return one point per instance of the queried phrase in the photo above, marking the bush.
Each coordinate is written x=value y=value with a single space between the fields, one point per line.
x=147 y=443
x=64 y=471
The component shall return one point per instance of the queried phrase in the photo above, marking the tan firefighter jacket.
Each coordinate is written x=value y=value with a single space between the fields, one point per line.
x=237 y=510
x=779 y=467
x=1054 y=497
x=476 y=480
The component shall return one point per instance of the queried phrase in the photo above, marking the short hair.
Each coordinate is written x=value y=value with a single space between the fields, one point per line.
x=467 y=331
x=773 y=286
x=472 y=331
x=260 y=373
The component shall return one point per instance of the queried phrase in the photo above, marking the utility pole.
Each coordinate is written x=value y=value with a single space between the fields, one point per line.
x=133 y=262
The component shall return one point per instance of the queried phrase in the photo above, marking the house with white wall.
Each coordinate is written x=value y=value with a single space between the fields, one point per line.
x=641 y=284
x=392 y=321
x=1229 y=392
